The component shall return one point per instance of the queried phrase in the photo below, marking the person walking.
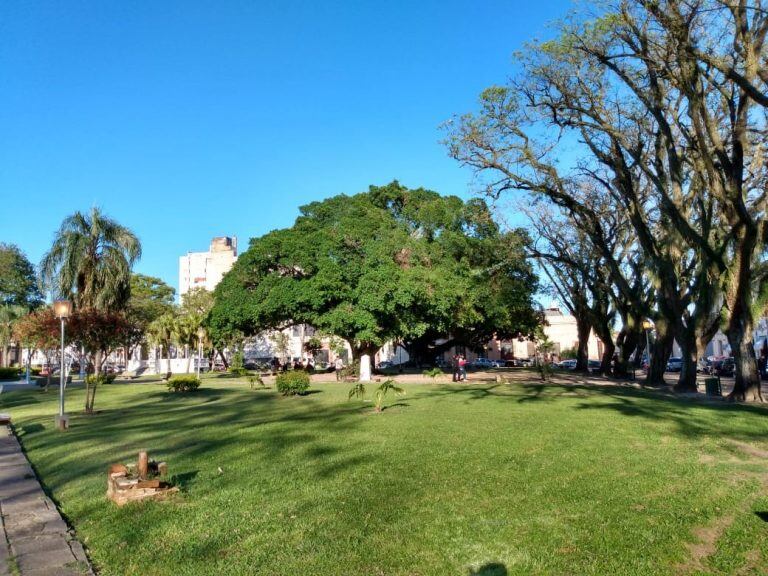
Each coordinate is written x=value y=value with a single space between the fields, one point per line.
x=455 y=367
x=339 y=366
x=462 y=367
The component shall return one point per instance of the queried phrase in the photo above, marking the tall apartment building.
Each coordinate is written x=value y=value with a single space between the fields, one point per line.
x=206 y=269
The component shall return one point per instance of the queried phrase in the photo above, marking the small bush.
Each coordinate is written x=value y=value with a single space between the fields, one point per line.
x=433 y=372
x=183 y=384
x=9 y=373
x=292 y=383
x=100 y=379
x=238 y=371
x=254 y=379
x=35 y=370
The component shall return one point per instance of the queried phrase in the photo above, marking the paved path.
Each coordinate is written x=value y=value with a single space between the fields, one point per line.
x=36 y=540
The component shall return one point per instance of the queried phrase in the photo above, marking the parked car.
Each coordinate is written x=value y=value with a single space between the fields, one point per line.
x=593 y=364
x=569 y=364
x=513 y=363
x=724 y=367
x=675 y=364
x=483 y=364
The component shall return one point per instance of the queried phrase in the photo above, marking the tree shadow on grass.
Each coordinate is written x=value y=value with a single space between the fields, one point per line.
x=692 y=417
x=184 y=480
x=490 y=569
x=762 y=515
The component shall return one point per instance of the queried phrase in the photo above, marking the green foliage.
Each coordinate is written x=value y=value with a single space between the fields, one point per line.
x=9 y=373
x=566 y=353
x=183 y=383
x=389 y=264
x=9 y=315
x=238 y=371
x=382 y=390
x=93 y=379
x=350 y=370
x=238 y=361
x=150 y=298
x=255 y=379
x=433 y=372
x=197 y=301
x=292 y=382
x=313 y=345
x=18 y=281
x=357 y=391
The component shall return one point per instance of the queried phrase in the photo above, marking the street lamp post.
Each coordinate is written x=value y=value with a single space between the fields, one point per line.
x=63 y=310
x=200 y=336
x=647 y=326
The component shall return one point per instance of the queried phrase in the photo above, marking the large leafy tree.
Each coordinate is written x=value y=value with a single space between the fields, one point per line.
x=389 y=264
x=149 y=299
x=90 y=261
x=9 y=315
x=18 y=280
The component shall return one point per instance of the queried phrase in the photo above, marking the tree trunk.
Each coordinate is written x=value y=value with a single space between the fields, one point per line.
x=223 y=359
x=747 y=387
x=93 y=397
x=689 y=352
x=583 y=329
x=168 y=350
x=609 y=348
x=659 y=354
x=97 y=360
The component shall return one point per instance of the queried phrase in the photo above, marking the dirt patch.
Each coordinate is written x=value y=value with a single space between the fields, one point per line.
x=707 y=537
x=749 y=449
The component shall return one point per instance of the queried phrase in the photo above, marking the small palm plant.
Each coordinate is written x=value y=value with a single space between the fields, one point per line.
x=358 y=391
x=382 y=390
x=254 y=380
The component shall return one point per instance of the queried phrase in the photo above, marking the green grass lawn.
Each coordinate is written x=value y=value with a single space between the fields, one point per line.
x=490 y=479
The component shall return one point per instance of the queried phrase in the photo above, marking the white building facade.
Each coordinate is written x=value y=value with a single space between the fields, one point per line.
x=206 y=269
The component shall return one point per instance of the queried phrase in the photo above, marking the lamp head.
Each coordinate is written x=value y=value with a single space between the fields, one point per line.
x=62 y=308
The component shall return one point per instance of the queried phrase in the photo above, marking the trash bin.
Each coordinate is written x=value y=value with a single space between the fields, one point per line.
x=713 y=387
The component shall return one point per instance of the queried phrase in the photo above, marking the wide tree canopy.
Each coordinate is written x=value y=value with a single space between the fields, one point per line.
x=388 y=264
x=18 y=281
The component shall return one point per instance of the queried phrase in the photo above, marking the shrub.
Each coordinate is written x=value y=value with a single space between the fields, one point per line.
x=292 y=383
x=100 y=379
x=183 y=384
x=238 y=371
x=35 y=370
x=433 y=372
x=254 y=379
x=9 y=373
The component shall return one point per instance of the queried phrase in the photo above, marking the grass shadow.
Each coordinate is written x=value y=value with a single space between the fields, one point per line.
x=184 y=480
x=490 y=569
x=762 y=515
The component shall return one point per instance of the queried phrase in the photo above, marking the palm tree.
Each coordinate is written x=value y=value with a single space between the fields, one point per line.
x=161 y=332
x=9 y=314
x=90 y=261
x=185 y=333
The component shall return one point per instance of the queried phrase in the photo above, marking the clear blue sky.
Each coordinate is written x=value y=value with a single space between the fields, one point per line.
x=187 y=120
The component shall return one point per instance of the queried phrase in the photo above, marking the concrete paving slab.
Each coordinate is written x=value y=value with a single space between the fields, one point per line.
x=35 y=540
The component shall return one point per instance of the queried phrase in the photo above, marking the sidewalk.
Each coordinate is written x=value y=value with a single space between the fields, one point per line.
x=36 y=540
